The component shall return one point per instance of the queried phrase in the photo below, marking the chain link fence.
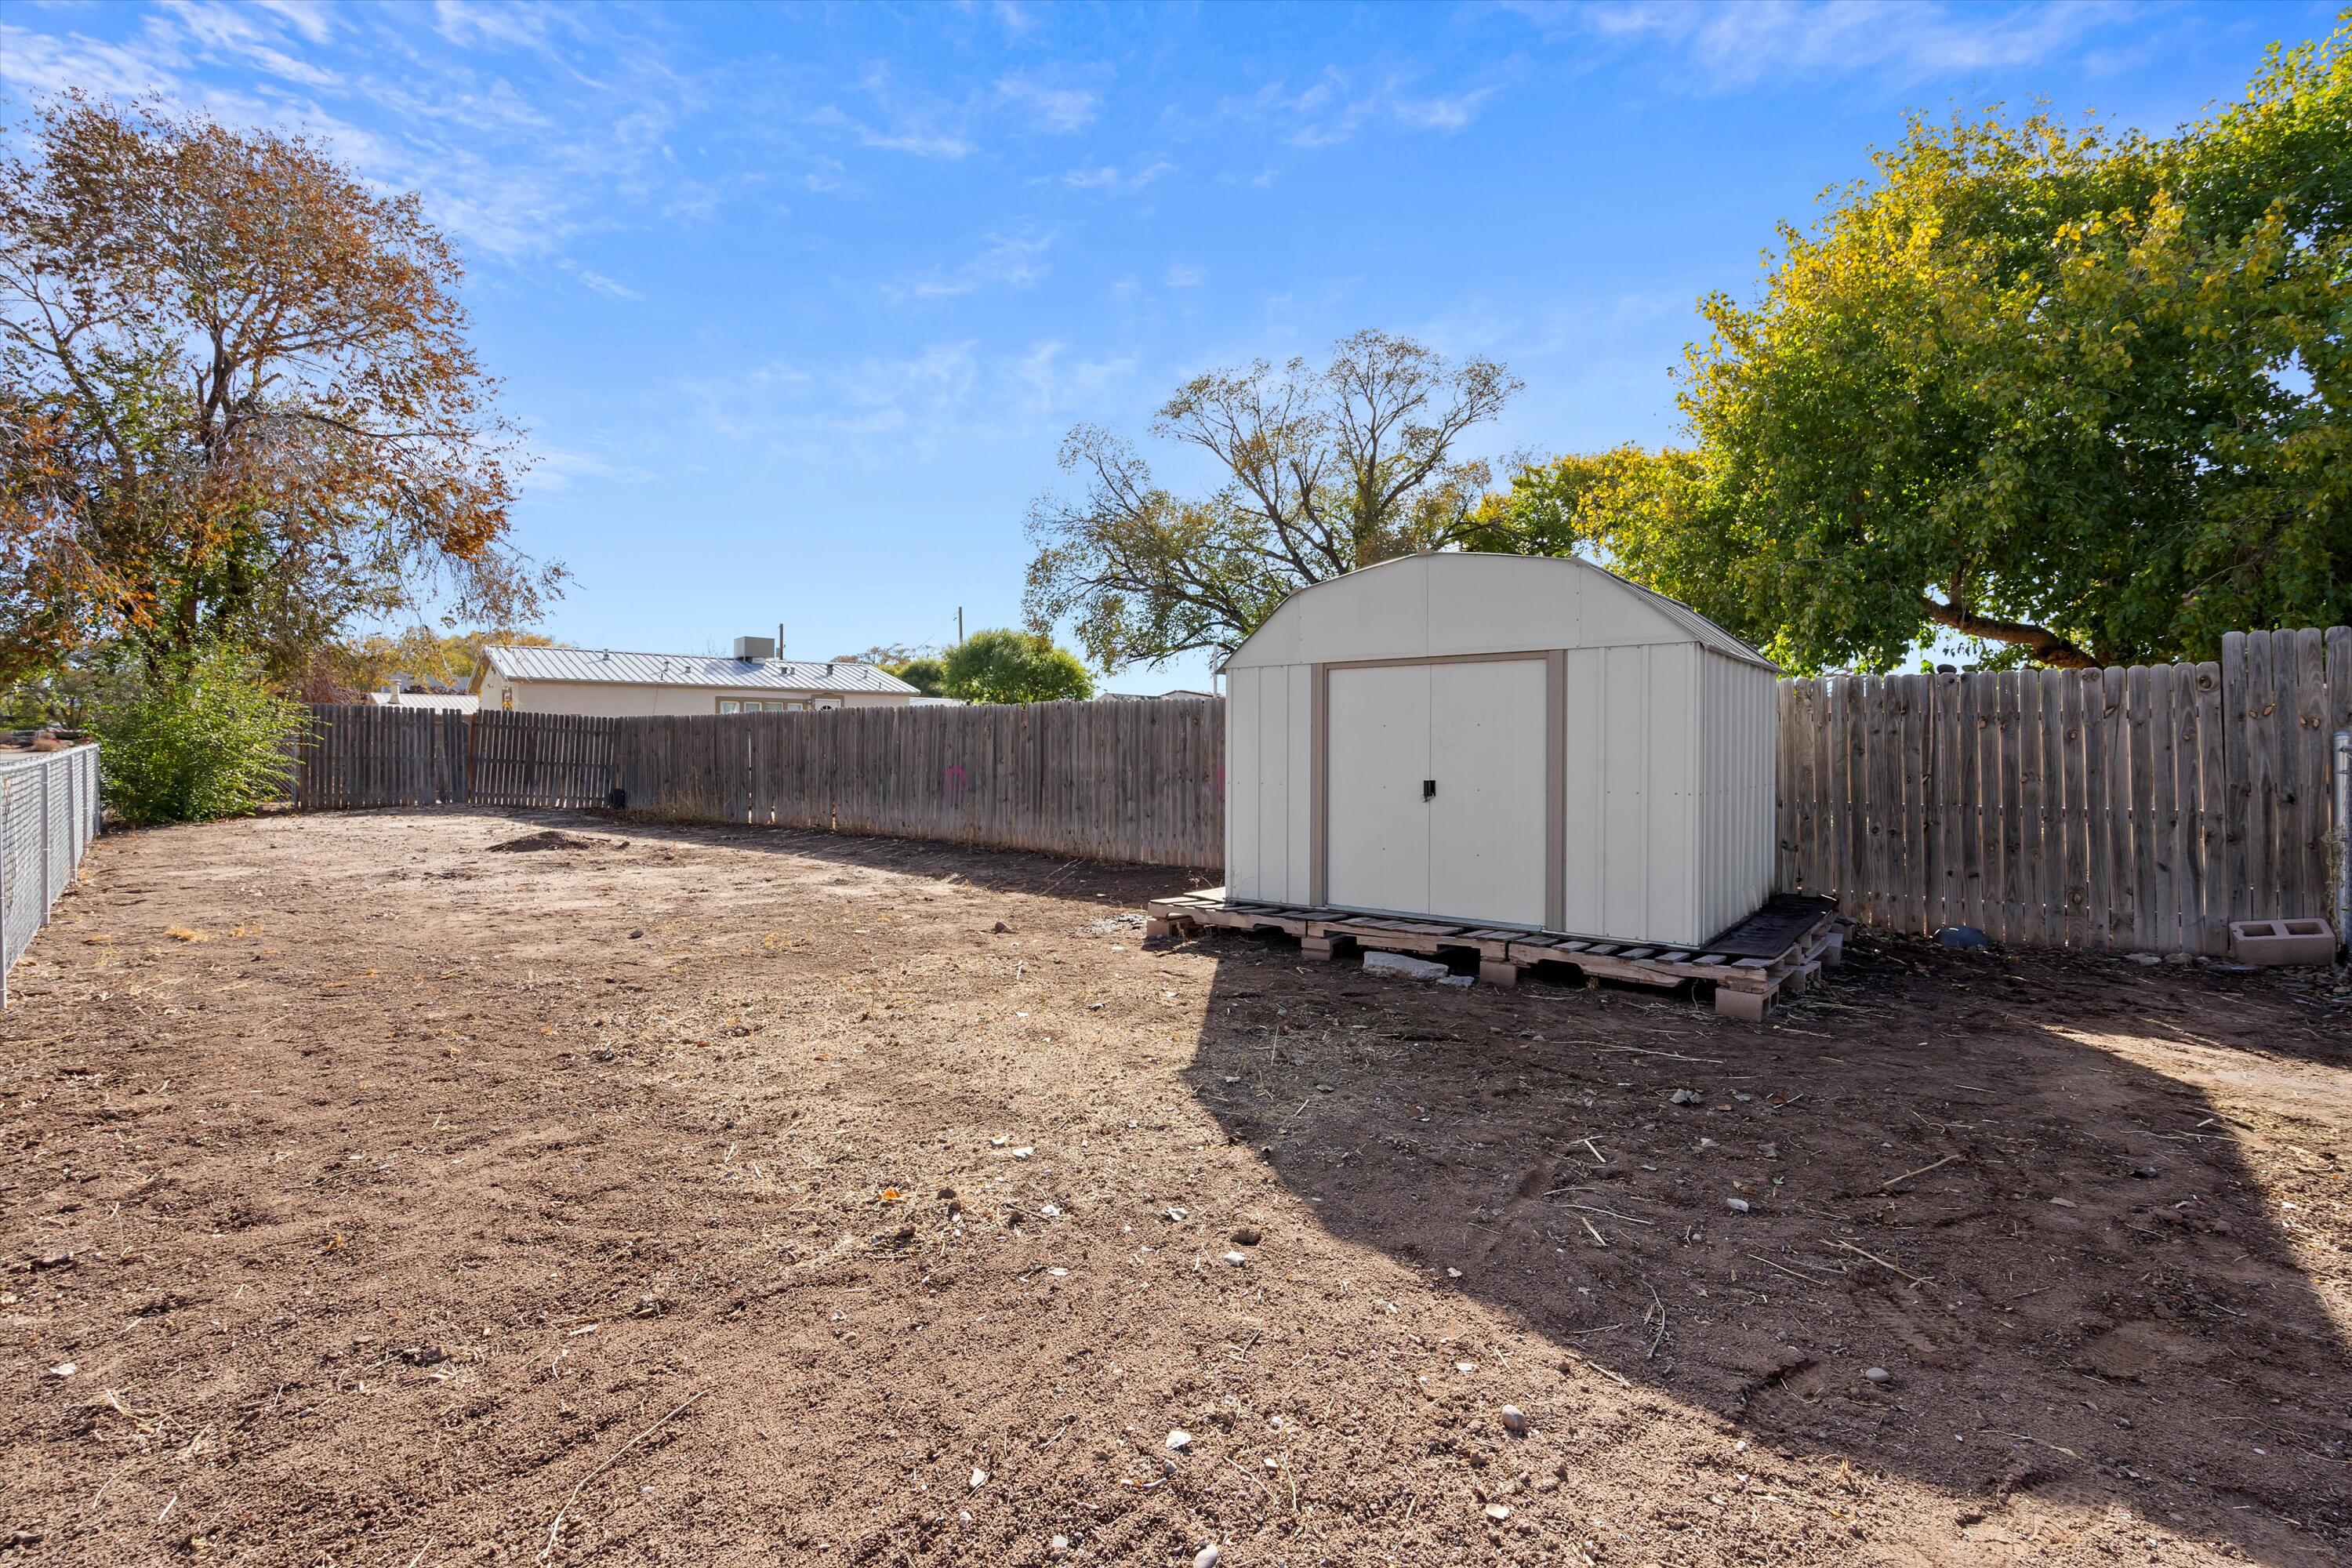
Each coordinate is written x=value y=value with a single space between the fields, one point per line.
x=48 y=815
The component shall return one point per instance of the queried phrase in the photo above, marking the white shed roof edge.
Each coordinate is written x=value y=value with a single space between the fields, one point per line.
x=1703 y=631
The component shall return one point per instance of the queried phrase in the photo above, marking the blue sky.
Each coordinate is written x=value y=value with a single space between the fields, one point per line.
x=797 y=302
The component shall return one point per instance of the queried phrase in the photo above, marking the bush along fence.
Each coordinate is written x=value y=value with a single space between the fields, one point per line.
x=2131 y=809
x=48 y=815
x=1141 y=782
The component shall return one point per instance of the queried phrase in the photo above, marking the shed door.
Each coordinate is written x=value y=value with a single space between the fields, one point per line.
x=1379 y=755
x=1487 y=820
x=1437 y=790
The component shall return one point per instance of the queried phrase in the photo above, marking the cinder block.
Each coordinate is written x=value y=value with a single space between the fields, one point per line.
x=1746 y=1005
x=1493 y=973
x=1834 y=953
x=1156 y=928
x=1319 y=948
x=2282 y=942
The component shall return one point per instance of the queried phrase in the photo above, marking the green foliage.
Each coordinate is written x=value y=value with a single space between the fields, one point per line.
x=199 y=738
x=1013 y=666
x=2078 y=395
x=926 y=675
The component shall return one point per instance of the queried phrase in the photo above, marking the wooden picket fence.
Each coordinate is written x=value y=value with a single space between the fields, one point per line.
x=2135 y=809
x=1140 y=782
x=351 y=755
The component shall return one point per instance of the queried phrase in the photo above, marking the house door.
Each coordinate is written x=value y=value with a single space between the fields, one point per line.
x=1436 y=783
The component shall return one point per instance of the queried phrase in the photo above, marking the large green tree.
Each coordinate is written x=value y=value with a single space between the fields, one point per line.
x=1326 y=470
x=2080 y=396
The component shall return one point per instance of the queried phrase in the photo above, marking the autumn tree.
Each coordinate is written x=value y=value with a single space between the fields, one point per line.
x=236 y=400
x=1013 y=666
x=1326 y=470
x=2080 y=398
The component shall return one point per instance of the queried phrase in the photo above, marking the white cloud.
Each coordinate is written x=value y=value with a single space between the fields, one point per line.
x=1015 y=262
x=1059 y=105
x=1740 y=45
x=1110 y=177
x=1184 y=275
x=1336 y=105
x=611 y=288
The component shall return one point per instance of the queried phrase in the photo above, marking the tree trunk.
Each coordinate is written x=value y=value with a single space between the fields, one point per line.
x=2046 y=646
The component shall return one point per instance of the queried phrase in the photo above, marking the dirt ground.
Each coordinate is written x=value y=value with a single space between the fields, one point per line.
x=376 y=1191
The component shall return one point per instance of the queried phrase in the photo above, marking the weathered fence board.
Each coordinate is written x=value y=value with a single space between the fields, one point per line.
x=2116 y=808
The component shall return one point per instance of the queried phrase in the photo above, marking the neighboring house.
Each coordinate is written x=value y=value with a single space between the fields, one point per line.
x=612 y=684
x=438 y=702
x=1181 y=692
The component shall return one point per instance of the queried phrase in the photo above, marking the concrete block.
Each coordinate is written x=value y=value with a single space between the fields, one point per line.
x=2282 y=942
x=1404 y=966
x=1496 y=973
x=1746 y=1005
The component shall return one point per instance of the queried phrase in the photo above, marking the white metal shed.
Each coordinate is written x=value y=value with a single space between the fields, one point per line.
x=1511 y=740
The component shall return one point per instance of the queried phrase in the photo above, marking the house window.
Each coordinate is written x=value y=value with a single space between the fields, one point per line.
x=767 y=705
x=727 y=705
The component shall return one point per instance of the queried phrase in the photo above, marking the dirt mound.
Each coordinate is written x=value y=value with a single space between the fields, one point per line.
x=555 y=838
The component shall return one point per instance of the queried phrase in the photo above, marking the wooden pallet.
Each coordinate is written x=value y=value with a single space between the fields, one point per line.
x=1744 y=987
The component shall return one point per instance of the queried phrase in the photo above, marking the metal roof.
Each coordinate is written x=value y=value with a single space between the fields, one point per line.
x=611 y=667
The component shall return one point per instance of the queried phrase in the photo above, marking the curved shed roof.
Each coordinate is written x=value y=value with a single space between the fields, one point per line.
x=1454 y=602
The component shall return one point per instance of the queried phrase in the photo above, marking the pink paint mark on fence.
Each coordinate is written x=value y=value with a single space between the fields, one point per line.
x=1221 y=778
x=952 y=782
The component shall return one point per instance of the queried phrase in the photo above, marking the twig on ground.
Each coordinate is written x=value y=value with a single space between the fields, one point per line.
x=1922 y=1171
x=1598 y=1239
x=555 y=1528
x=1858 y=1252
x=1596 y=1150
x=1612 y=1214
x=1639 y=1051
x=1651 y=1354
x=1804 y=1278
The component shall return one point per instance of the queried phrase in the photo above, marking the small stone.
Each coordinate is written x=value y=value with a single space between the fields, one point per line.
x=1454 y=1273
x=999 y=929
x=1246 y=1236
x=1737 y=1205
x=1060 y=1546
x=2063 y=1203
x=1459 y=982
x=1466 y=1367
x=1179 y=1441
x=636 y=934
x=1048 y=1211
x=1515 y=1421
x=2146 y=1172
x=1683 y=1096
x=1961 y=936
x=2144 y=960
x=1207 y=1556
x=1058 y=1273
x=64 y=1368
x=1879 y=1375
x=979 y=1479
x=1237 y=1258
x=1025 y=1152
x=1497 y=1512
x=1174 y=1215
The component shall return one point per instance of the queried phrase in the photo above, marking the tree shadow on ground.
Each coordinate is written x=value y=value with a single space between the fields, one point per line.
x=2091 y=1294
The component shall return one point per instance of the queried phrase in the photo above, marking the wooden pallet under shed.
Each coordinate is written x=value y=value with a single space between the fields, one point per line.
x=1744 y=985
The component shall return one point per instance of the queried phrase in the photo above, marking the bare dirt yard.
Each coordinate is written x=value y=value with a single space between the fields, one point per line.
x=438 y=1187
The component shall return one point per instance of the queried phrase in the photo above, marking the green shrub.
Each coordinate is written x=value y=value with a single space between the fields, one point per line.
x=1014 y=666
x=201 y=738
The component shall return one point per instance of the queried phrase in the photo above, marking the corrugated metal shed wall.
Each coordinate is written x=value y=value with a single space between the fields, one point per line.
x=1269 y=740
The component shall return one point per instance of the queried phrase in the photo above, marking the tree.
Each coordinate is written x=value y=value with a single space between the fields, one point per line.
x=927 y=675
x=1328 y=471
x=236 y=400
x=1013 y=666
x=2080 y=397
x=346 y=668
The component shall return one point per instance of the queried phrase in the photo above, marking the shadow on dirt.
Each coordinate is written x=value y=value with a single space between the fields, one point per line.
x=2074 y=1284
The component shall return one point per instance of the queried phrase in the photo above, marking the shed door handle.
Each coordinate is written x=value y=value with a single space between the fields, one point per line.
x=1428 y=789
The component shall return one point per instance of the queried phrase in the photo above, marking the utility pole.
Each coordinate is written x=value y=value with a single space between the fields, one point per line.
x=959 y=625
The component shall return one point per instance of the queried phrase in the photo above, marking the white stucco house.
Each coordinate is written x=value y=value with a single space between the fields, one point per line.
x=610 y=683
